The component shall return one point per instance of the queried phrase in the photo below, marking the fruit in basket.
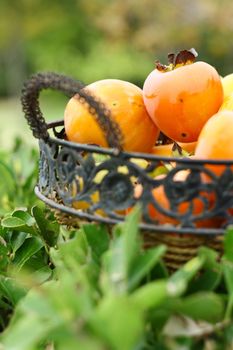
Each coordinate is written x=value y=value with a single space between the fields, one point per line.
x=197 y=205
x=125 y=102
x=227 y=83
x=182 y=96
x=227 y=103
x=168 y=149
x=216 y=140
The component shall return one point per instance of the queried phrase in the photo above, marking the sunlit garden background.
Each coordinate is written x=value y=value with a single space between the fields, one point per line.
x=91 y=40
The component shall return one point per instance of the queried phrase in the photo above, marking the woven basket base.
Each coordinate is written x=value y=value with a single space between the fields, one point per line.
x=180 y=247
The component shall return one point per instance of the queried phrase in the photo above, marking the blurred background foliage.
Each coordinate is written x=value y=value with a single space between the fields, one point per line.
x=98 y=39
x=95 y=39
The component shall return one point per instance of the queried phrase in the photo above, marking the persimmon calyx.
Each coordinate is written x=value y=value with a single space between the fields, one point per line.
x=182 y=58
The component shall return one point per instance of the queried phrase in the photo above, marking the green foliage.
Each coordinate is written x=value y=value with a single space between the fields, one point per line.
x=67 y=289
x=99 y=39
x=18 y=172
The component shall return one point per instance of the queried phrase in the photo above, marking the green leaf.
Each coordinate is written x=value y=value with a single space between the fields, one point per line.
x=69 y=340
x=38 y=301
x=227 y=264
x=131 y=237
x=150 y=295
x=158 y=317
x=15 y=223
x=123 y=253
x=4 y=259
x=26 y=333
x=11 y=290
x=211 y=275
x=228 y=277
x=17 y=239
x=155 y=293
x=114 y=278
x=178 y=282
x=116 y=231
x=76 y=257
x=43 y=274
x=210 y=257
x=207 y=280
x=98 y=239
x=48 y=230
x=119 y=321
x=75 y=248
x=30 y=247
x=25 y=216
x=206 y=306
x=144 y=263
x=228 y=244
x=7 y=180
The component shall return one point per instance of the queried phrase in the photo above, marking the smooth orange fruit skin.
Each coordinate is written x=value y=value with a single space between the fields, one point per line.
x=216 y=140
x=227 y=83
x=125 y=102
x=166 y=150
x=180 y=101
x=227 y=103
x=198 y=206
x=160 y=196
x=162 y=150
x=188 y=147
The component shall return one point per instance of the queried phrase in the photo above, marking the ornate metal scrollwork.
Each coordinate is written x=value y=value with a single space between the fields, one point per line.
x=84 y=184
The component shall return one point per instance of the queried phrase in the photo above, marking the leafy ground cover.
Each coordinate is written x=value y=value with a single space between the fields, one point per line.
x=78 y=289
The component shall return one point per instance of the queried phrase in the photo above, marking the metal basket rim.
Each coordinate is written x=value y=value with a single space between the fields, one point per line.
x=116 y=152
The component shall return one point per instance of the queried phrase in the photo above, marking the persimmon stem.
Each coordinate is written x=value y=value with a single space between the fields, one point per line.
x=182 y=58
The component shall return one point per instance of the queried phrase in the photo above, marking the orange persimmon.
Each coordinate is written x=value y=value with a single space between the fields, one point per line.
x=167 y=150
x=215 y=141
x=125 y=102
x=162 y=200
x=181 y=97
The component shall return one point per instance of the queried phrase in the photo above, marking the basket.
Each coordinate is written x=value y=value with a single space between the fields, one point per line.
x=68 y=180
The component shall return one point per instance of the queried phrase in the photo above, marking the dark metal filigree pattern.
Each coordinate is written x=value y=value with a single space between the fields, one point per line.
x=105 y=189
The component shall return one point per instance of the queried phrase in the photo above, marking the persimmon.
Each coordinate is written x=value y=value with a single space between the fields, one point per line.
x=167 y=150
x=125 y=102
x=161 y=198
x=162 y=150
x=216 y=140
x=182 y=96
x=227 y=83
x=227 y=103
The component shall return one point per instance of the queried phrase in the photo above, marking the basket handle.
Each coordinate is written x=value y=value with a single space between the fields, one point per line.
x=70 y=87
